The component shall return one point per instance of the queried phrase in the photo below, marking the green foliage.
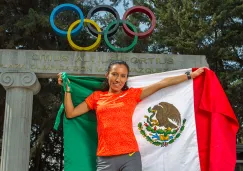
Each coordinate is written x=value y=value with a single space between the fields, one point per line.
x=160 y=131
x=149 y=139
x=156 y=143
x=27 y=25
x=150 y=129
x=150 y=110
x=143 y=132
x=182 y=128
x=178 y=135
x=171 y=141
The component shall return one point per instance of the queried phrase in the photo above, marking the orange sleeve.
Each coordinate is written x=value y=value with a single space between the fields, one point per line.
x=136 y=93
x=91 y=100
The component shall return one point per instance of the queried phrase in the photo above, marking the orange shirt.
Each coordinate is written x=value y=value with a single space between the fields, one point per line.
x=114 y=117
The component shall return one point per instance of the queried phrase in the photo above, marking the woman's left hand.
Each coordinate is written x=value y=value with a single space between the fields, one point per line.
x=198 y=72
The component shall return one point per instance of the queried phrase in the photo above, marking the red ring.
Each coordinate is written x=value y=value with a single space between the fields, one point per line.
x=143 y=10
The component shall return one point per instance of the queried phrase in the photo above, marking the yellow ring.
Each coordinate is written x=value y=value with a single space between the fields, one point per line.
x=92 y=47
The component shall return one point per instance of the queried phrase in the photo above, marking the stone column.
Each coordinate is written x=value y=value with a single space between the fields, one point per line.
x=20 y=89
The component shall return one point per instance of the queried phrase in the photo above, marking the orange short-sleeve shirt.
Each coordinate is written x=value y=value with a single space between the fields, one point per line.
x=114 y=117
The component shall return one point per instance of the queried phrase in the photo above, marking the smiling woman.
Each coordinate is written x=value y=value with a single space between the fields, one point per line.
x=114 y=106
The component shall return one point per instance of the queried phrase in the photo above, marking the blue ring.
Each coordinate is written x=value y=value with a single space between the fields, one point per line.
x=61 y=8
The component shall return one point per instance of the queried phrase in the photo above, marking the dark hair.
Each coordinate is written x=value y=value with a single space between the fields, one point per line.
x=105 y=84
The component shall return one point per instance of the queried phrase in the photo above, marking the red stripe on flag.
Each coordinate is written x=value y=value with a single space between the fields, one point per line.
x=216 y=124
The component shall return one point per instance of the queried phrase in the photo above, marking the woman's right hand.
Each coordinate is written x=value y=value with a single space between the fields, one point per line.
x=59 y=79
x=60 y=82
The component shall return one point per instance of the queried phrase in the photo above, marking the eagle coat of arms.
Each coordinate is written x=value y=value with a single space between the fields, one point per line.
x=163 y=126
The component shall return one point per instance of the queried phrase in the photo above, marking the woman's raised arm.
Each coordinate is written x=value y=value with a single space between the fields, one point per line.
x=70 y=110
x=169 y=81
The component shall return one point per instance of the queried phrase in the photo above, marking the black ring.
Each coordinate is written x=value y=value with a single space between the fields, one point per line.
x=106 y=8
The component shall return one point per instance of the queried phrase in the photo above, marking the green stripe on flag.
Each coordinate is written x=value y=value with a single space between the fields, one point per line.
x=80 y=133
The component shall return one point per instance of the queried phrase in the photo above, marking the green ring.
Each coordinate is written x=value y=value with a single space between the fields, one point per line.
x=124 y=49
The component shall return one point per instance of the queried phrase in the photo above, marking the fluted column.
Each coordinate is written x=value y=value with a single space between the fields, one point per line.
x=20 y=88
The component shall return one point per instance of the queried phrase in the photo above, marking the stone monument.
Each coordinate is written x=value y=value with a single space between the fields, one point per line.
x=19 y=73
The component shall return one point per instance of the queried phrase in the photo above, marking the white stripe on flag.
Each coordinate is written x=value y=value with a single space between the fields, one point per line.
x=167 y=143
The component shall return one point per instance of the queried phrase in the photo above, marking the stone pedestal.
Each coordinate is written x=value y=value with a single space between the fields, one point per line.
x=20 y=89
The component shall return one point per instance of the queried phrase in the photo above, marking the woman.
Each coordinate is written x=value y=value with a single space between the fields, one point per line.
x=117 y=146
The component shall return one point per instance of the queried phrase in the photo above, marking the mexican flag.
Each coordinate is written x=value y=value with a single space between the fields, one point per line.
x=188 y=127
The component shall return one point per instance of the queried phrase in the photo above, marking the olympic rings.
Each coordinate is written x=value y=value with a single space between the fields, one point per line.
x=89 y=48
x=111 y=29
x=125 y=49
x=143 y=10
x=108 y=9
x=64 y=7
